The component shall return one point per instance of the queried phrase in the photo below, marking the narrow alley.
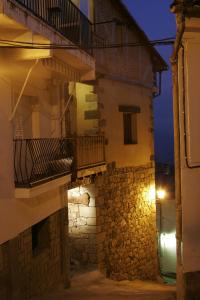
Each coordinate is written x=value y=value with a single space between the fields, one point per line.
x=93 y=285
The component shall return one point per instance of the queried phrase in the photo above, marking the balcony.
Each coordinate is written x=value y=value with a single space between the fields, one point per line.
x=90 y=151
x=37 y=161
x=40 y=160
x=64 y=17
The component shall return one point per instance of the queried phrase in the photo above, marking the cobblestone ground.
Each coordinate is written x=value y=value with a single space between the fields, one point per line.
x=93 y=286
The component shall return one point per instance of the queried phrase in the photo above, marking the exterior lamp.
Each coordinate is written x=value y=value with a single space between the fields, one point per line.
x=161 y=194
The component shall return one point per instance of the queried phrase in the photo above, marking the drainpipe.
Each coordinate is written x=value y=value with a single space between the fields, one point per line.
x=175 y=62
x=159 y=85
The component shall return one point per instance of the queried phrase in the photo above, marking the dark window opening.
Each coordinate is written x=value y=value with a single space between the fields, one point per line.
x=40 y=236
x=130 y=128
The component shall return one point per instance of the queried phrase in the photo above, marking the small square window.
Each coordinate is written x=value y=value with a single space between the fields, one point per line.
x=130 y=128
x=40 y=236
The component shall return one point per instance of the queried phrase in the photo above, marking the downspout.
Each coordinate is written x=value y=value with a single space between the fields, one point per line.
x=159 y=86
x=175 y=69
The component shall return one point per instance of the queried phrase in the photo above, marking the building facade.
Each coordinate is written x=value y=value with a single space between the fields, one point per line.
x=121 y=200
x=77 y=170
x=38 y=148
x=125 y=85
x=185 y=63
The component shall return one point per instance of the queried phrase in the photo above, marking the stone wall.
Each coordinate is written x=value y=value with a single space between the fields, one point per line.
x=4 y=272
x=126 y=223
x=82 y=227
x=26 y=274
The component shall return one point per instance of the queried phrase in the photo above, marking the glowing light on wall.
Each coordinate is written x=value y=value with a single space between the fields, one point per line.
x=168 y=241
x=76 y=192
x=152 y=194
x=161 y=194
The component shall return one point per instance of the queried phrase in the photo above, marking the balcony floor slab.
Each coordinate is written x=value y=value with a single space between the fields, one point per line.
x=25 y=193
x=87 y=171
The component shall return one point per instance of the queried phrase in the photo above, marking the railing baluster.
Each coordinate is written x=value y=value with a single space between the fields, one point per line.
x=91 y=151
x=15 y=163
x=65 y=17
x=20 y=161
x=39 y=160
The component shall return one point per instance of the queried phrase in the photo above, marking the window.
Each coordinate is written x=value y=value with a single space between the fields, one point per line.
x=40 y=236
x=130 y=123
x=130 y=128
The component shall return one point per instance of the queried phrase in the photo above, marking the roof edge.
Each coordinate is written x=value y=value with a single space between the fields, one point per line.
x=159 y=63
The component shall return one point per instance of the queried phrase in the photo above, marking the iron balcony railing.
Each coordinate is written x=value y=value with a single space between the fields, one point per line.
x=39 y=160
x=64 y=17
x=90 y=151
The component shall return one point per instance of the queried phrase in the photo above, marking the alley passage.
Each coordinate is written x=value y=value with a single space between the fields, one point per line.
x=93 y=286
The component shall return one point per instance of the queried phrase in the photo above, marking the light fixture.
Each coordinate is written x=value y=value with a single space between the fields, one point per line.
x=161 y=194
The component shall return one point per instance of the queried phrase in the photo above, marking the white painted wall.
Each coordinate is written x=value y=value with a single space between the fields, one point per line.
x=85 y=126
x=190 y=177
x=16 y=215
x=6 y=144
x=112 y=94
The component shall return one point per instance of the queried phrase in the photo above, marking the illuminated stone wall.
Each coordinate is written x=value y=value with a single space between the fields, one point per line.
x=126 y=223
x=82 y=227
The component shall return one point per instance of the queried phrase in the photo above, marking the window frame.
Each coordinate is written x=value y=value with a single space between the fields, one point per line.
x=130 y=134
x=130 y=128
x=40 y=233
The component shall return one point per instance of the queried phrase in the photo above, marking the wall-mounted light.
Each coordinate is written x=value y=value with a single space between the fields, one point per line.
x=161 y=194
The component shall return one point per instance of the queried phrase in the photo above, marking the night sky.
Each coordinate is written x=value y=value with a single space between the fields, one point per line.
x=155 y=18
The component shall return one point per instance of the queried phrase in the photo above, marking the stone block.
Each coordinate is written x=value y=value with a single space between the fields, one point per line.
x=87 y=229
x=92 y=202
x=73 y=208
x=91 y=221
x=81 y=221
x=87 y=212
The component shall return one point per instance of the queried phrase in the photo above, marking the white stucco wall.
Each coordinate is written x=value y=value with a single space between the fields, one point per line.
x=85 y=126
x=6 y=143
x=112 y=94
x=190 y=171
x=40 y=98
x=16 y=215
